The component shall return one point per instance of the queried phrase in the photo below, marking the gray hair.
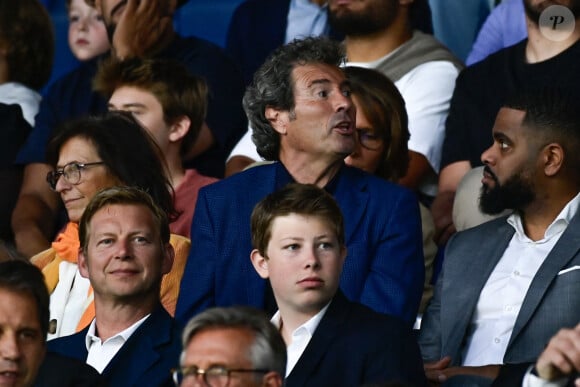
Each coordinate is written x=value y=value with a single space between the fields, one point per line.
x=268 y=350
x=273 y=86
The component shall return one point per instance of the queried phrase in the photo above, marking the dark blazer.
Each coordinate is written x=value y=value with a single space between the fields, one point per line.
x=384 y=267
x=57 y=370
x=552 y=301
x=144 y=360
x=354 y=345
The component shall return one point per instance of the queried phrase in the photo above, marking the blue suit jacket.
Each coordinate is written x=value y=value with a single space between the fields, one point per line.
x=144 y=360
x=383 y=269
x=551 y=302
x=353 y=345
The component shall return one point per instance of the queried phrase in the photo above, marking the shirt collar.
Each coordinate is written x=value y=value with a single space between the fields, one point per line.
x=556 y=227
x=92 y=338
x=283 y=178
x=310 y=325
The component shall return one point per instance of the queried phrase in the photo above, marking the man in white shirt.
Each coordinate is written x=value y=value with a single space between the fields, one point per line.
x=298 y=239
x=125 y=251
x=509 y=285
x=235 y=346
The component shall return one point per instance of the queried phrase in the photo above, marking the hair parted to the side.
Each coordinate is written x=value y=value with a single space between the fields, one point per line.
x=268 y=350
x=130 y=154
x=24 y=278
x=552 y=115
x=179 y=92
x=300 y=199
x=273 y=86
x=122 y=195
x=27 y=34
x=383 y=105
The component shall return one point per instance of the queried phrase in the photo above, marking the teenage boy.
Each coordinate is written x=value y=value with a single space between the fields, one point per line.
x=298 y=239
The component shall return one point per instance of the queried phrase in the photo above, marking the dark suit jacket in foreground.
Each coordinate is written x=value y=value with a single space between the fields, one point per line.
x=384 y=268
x=552 y=301
x=61 y=371
x=354 y=345
x=144 y=360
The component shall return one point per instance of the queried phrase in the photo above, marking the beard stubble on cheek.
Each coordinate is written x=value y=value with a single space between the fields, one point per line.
x=516 y=193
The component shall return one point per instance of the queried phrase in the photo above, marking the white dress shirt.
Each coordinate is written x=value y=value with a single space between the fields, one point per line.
x=503 y=294
x=100 y=354
x=535 y=381
x=305 y=18
x=300 y=337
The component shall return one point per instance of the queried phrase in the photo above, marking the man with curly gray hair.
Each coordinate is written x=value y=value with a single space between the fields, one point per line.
x=304 y=119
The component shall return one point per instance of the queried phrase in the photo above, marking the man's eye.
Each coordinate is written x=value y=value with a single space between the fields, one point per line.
x=141 y=239
x=106 y=241
x=292 y=247
x=73 y=18
x=503 y=144
x=347 y=92
x=323 y=94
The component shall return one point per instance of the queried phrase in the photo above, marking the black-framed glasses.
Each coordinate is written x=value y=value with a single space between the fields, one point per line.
x=71 y=173
x=368 y=139
x=214 y=376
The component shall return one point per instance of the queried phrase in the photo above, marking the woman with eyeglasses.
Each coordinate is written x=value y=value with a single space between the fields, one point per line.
x=381 y=146
x=89 y=155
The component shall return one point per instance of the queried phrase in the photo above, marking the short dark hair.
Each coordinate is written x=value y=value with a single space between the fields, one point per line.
x=179 y=92
x=268 y=350
x=24 y=278
x=301 y=199
x=26 y=29
x=130 y=154
x=553 y=115
x=273 y=86
x=127 y=196
x=383 y=105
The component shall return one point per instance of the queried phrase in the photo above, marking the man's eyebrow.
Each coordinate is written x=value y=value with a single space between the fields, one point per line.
x=127 y=105
x=322 y=81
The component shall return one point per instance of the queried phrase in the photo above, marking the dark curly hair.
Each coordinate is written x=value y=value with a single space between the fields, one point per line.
x=273 y=86
x=27 y=35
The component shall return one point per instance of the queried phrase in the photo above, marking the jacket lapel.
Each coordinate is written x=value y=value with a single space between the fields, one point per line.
x=565 y=249
x=318 y=347
x=352 y=197
x=457 y=310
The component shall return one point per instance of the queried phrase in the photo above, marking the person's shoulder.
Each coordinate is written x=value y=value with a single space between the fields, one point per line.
x=497 y=62
x=59 y=370
x=83 y=73
x=374 y=184
x=243 y=180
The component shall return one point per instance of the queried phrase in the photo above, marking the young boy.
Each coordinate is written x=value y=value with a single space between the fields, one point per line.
x=87 y=34
x=298 y=239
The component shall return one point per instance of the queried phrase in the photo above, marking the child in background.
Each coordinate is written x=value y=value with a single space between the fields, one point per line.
x=87 y=35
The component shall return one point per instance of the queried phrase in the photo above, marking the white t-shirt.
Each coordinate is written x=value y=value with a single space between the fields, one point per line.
x=12 y=93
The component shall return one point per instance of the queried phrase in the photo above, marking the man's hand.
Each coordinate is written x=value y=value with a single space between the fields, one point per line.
x=141 y=27
x=438 y=372
x=562 y=355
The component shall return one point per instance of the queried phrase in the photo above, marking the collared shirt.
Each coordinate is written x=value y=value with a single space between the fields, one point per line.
x=100 y=354
x=503 y=294
x=300 y=337
x=306 y=18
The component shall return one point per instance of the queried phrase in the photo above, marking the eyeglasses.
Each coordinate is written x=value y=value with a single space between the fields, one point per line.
x=214 y=376
x=71 y=173
x=368 y=139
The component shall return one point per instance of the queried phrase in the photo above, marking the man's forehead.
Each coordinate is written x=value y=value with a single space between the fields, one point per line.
x=316 y=72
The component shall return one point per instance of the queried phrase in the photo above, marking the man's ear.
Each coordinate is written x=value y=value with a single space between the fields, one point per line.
x=168 y=258
x=179 y=128
x=278 y=119
x=82 y=262
x=272 y=379
x=552 y=158
x=260 y=263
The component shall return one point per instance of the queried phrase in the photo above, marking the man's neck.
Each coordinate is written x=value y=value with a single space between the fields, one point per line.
x=305 y=170
x=537 y=217
x=539 y=48
x=371 y=47
x=175 y=167
x=112 y=317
